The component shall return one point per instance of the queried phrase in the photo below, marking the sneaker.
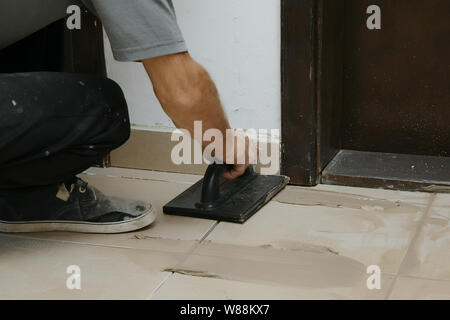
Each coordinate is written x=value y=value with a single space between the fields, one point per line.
x=73 y=206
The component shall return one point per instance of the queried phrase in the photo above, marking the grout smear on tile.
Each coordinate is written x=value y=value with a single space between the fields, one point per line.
x=299 y=246
x=300 y=266
x=194 y=273
x=155 y=291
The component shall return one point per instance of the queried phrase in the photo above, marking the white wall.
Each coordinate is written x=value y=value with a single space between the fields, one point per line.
x=238 y=42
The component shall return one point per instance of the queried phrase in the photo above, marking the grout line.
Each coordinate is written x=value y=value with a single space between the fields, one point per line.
x=412 y=243
x=209 y=231
x=182 y=260
x=101 y=245
x=61 y=241
x=150 y=297
x=195 y=246
x=74 y=242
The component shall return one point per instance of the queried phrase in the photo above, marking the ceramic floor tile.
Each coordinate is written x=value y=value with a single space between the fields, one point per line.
x=240 y=272
x=369 y=230
x=307 y=243
x=442 y=200
x=181 y=287
x=147 y=188
x=420 y=289
x=429 y=255
x=36 y=269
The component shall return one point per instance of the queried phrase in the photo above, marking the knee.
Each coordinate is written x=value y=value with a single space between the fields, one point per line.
x=118 y=111
x=116 y=122
x=122 y=133
x=113 y=96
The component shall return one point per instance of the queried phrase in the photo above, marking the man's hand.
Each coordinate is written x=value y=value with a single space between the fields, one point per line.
x=188 y=94
x=240 y=152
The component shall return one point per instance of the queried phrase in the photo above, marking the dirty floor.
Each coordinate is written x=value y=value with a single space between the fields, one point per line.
x=306 y=244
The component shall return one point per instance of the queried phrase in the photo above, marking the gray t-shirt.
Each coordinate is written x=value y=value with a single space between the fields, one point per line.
x=137 y=29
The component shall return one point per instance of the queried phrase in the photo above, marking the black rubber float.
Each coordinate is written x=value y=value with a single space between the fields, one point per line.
x=216 y=198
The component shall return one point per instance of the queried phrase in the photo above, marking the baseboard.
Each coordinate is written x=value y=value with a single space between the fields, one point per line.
x=151 y=150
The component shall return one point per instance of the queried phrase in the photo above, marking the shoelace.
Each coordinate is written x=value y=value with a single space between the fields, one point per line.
x=82 y=186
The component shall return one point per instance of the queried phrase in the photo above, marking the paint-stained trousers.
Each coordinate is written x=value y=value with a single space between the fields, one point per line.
x=56 y=125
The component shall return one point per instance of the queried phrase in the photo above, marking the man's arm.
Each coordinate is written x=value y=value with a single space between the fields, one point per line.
x=187 y=94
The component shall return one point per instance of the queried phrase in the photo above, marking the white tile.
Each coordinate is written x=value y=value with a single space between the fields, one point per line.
x=420 y=289
x=429 y=256
x=36 y=269
x=442 y=200
x=378 y=233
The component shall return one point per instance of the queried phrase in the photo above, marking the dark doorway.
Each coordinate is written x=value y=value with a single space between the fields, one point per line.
x=397 y=79
x=377 y=109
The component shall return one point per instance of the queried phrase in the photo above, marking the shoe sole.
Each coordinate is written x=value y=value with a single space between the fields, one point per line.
x=137 y=223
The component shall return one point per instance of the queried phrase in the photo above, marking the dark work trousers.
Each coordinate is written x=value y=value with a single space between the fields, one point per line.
x=56 y=125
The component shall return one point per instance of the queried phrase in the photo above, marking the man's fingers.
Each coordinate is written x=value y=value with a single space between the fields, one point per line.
x=230 y=175
x=237 y=171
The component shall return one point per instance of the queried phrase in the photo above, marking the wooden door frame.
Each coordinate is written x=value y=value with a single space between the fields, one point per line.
x=312 y=34
x=298 y=91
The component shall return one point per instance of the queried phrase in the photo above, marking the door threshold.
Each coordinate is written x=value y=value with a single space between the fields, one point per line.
x=388 y=171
